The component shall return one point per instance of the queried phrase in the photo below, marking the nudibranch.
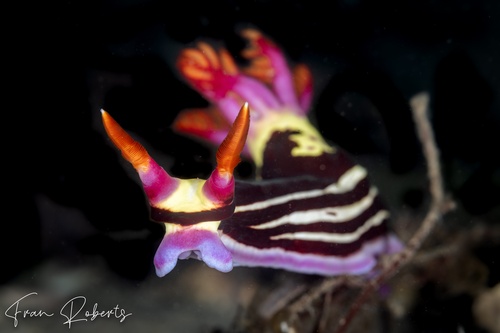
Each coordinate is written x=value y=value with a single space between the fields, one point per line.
x=191 y=209
x=311 y=210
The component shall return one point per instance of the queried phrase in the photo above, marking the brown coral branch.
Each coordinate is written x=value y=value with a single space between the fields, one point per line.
x=439 y=205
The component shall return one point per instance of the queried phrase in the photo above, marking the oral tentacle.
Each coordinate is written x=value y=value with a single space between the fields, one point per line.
x=199 y=241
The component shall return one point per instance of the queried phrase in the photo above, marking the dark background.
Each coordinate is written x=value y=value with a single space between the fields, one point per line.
x=72 y=58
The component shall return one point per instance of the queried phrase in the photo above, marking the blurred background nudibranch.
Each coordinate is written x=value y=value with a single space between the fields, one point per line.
x=84 y=226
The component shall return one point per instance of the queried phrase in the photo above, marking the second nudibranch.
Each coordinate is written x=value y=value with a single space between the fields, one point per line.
x=191 y=209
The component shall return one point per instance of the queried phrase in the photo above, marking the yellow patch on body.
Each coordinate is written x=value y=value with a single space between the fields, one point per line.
x=309 y=141
x=187 y=198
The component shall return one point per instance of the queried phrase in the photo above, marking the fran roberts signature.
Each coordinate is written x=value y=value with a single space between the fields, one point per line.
x=72 y=311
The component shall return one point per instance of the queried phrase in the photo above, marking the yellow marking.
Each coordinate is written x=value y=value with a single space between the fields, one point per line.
x=187 y=198
x=309 y=141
